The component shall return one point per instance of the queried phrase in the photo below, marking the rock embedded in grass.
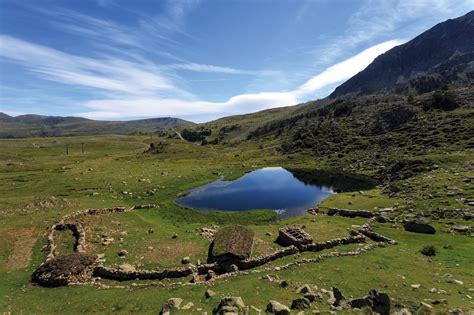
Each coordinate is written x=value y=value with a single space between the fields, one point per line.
x=277 y=308
x=300 y=303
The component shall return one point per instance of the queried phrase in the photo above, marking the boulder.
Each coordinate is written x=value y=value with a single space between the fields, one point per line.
x=122 y=253
x=300 y=304
x=380 y=302
x=233 y=304
x=305 y=289
x=359 y=303
x=419 y=227
x=335 y=297
x=209 y=293
x=277 y=308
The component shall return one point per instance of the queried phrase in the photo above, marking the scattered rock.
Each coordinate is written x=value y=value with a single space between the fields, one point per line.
x=187 y=306
x=380 y=302
x=256 y=309
x=415 y=286
x=151 y=231
x=230 y=305
x=403 y=311
x=277 y=308
x=313 y=296
x=209 y=293
x=359 y=303
x=425 y=308
x=300 y=303
x=127 y=268
x=335 y=297
x=175 y=236
x=271 y=278
x=284 y=284
x=122 y=253
x=186 y=260
x=305 y=289
x=172 y=304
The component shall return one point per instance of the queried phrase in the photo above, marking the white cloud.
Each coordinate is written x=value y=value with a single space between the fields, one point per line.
x=345 y=69
x=244 y=103
x=111 y=74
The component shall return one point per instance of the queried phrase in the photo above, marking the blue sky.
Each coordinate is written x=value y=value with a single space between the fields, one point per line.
x=198 y=60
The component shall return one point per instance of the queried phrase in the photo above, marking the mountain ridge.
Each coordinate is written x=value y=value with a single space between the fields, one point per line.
x=449 y=44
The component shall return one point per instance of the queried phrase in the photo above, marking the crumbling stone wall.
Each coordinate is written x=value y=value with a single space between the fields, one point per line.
x=351 y=213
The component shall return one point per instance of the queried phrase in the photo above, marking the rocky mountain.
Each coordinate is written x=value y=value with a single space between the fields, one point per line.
x=442 y=55
x=45 y=126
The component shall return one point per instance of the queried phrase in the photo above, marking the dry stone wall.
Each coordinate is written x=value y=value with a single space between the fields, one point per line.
x=216 y=271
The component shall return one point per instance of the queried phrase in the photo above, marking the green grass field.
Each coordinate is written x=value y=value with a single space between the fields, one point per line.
x=40 y=184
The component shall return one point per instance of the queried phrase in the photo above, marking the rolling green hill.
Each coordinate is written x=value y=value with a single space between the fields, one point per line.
x=47 y=126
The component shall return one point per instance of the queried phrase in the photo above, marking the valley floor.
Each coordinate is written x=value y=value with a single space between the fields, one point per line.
x=39 y=184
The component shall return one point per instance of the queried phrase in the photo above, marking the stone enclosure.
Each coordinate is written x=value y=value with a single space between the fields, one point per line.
x=230 y=253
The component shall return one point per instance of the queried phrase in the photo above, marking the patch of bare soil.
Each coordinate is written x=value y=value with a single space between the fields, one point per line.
x=23 y=241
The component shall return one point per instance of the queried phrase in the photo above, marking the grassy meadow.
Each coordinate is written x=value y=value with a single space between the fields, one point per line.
x=39 y=184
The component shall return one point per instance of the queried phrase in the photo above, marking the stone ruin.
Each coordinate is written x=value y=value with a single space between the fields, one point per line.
x=230 y=252
x=293 y=235
x=231 y=244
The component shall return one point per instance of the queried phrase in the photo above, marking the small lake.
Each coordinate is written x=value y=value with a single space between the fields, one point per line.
x=289 y=192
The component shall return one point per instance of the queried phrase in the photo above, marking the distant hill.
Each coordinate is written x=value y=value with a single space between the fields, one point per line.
x=46 y=126
x=442 y=55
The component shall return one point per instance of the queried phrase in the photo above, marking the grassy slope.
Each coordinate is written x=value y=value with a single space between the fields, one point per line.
x=39 y=126
x=112 y=165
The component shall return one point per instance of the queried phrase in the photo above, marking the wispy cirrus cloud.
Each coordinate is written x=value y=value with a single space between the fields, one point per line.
x=244 y=103
x=111 y=74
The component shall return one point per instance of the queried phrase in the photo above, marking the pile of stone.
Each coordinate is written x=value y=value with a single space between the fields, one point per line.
x=64 y=270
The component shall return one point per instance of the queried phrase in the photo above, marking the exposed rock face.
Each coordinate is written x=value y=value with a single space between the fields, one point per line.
x=440 y=51
x=277 y=308
x=63 y=270
x=419 y=227
x=231 y=305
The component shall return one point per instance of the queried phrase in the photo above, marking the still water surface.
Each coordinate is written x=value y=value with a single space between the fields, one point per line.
x=273 y=188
